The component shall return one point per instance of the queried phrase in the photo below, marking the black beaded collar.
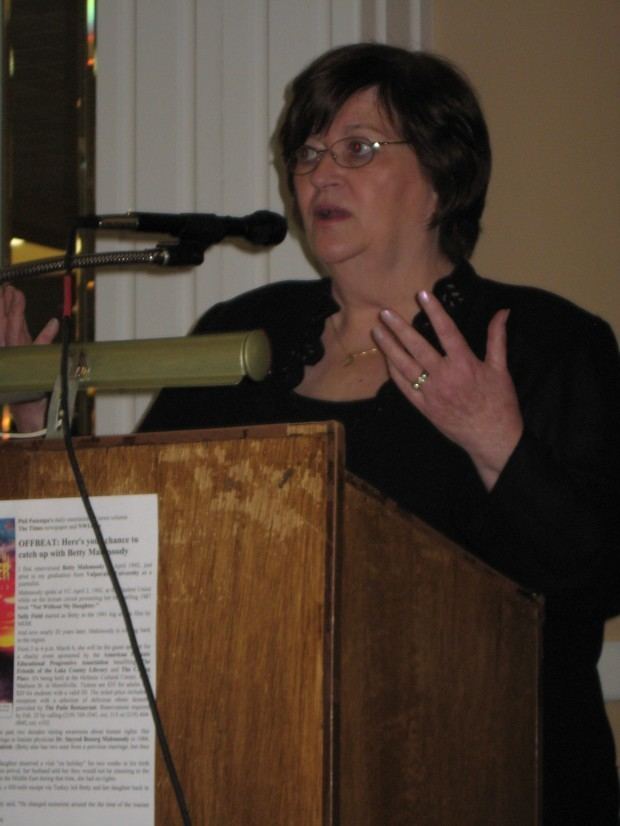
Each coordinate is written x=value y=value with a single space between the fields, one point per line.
x=300 y=344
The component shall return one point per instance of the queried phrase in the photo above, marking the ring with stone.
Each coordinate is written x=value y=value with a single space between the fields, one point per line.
x=417 y=384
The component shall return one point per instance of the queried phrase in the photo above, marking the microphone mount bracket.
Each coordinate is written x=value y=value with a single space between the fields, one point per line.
x=186 y=252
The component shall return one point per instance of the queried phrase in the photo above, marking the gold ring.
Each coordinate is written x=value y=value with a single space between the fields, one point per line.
x=417 y=384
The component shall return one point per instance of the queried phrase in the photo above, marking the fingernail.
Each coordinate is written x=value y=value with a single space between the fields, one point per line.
x=423 y=296
x=388 y=315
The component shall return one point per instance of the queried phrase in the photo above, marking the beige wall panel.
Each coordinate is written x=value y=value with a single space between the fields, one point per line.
x=549 y=78
x=548 y=75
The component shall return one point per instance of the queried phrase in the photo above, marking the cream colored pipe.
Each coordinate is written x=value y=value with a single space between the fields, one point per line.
x=219 y=359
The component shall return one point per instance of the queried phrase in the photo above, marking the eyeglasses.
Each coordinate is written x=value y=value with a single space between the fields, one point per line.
x=350 y=153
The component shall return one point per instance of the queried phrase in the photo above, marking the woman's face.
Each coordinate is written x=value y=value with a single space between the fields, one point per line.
x=376 y=214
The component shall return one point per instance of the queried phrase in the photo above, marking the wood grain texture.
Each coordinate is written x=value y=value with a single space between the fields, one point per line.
x=246 y=596
x=244 y=605
x=439 y=679
x=322 y=657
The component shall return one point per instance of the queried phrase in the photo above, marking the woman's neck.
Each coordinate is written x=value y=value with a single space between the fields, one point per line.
x=362 y=293
x=352 y=366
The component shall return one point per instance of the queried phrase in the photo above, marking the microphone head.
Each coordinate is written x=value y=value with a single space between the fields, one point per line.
x=265 y=228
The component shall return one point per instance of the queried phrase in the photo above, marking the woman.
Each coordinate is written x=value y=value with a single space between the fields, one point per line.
x=492 y=416
x=490 y=411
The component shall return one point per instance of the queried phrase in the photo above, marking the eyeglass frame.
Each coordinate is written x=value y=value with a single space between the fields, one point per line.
x=320 y=153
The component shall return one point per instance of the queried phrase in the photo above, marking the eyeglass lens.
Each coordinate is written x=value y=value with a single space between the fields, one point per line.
x=347 y=152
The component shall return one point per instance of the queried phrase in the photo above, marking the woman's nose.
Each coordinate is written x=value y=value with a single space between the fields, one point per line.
x=326 y=170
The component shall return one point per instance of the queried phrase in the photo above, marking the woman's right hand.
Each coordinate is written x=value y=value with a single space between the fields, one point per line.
x=28 y=416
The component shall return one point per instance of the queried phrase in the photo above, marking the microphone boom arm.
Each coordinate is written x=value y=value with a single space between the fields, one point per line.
x=164 y=255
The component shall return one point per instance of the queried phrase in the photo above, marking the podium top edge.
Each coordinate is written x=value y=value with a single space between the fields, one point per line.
x=263 y=431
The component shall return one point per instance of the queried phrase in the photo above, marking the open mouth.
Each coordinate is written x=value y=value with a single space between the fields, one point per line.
x=326 y=213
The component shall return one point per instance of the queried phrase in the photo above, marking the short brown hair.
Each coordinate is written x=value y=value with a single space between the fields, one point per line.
x=433 y=106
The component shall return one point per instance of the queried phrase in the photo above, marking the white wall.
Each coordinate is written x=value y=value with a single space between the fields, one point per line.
x=188 y=96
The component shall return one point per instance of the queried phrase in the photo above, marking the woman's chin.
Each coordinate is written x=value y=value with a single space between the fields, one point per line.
x=334 y=254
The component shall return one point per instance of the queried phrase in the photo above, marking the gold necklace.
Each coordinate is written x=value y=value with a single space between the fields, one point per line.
x=350 y=356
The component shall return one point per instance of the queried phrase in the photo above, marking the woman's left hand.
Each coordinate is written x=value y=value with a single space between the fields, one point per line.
x=472 y=402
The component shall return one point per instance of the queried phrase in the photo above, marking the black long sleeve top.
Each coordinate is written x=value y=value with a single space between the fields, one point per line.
x=551 y=521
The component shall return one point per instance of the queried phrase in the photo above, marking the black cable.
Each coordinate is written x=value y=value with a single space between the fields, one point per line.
x=133 y=641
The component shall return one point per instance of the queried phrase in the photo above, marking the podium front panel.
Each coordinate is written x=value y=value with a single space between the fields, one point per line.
x=323 y=659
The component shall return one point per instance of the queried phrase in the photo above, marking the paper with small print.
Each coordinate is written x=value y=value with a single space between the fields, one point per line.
x=76 y=737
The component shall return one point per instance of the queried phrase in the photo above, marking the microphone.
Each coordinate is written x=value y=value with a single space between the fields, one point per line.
x=263 y=228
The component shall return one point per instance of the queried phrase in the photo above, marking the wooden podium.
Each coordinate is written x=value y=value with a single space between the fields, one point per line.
x=322 y=657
